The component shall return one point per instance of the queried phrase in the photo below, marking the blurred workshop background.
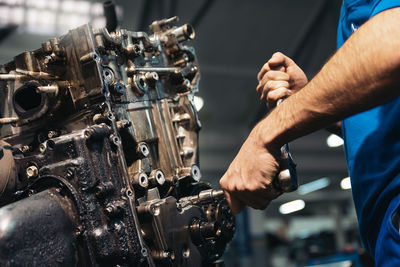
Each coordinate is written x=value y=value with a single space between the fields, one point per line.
x=317 y=224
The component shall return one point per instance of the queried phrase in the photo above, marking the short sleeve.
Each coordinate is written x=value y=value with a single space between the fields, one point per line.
x=383 y=5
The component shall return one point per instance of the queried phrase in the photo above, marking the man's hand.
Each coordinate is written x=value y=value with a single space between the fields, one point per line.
x=248 y=180
x=342 y=88
x=279 y=78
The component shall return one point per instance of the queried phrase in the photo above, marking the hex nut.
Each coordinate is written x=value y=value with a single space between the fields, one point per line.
x=32 y=171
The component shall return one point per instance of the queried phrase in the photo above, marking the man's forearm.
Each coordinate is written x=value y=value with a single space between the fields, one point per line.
x=364 y=73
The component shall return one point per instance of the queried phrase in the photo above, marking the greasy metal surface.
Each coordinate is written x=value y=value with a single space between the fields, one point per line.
x=105 y=123
x=38 y=230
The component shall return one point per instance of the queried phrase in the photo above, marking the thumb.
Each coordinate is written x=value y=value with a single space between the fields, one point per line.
x=279 y=59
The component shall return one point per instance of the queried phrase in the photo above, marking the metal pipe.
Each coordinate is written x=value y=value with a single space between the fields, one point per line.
x=12 y=76
x=40 y=74
x=184 y=33
x=151 y=69
x=48 y=89
x=111 y=15
x=8 y=120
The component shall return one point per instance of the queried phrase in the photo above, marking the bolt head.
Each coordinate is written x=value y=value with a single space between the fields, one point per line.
x=32 y=171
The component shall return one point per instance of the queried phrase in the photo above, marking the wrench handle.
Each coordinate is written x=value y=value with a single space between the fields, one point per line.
x=286 y=181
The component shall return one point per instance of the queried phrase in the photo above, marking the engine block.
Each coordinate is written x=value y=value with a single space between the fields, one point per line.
x=99 y=154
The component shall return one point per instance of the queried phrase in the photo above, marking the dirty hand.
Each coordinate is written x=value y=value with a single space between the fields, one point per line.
x=248 y=180
x=279 y=78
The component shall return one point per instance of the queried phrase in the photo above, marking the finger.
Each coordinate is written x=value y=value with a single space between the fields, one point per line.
x=259 y=87
x=273 y=96
x=275 y=75
x=223 y=183
x=280 y=93
x=280 y=59
x=274 y=85
x=229 y=187
x=278 y=68
x=258 y=202
x=263 y=97
x=235 y=203
x=268 y=67
x=277 y=59
x=268 y=83
x=264 y=69
x=270 y=86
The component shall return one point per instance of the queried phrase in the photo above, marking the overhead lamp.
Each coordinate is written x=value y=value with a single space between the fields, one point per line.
x=334 y=140
x=292 y=206
x=198 y=102
x=345 y=183
x=314 y=186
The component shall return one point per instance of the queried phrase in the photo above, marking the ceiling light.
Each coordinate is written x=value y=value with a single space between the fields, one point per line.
x=40 y=16
x=198 y=102
x=345 y=183
x=292 y=206
x=334 y=140
x=314 y=186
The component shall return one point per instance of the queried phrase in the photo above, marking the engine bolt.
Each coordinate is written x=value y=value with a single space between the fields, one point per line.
x=25 y=149
x=141 y=179
x=195 y=173
x=160 y=178
x=32 y=171
x=52 y=134
x=142 y=150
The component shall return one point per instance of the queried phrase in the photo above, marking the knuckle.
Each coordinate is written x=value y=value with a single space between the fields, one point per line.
x=285 y=93
x=270 y=75
x=285 y=84
x=252 y=188
x=285 y=76
x=282 y=91
x=230 y=187
x=240 y=188
x=272 y=96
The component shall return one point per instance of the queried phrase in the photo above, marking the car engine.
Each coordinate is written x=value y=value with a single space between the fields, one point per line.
x=99 y=157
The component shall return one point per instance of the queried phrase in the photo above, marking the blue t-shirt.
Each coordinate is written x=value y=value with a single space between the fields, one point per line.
x=372 y=138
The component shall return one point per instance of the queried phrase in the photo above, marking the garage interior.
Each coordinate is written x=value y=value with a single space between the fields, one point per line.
x=233 y=40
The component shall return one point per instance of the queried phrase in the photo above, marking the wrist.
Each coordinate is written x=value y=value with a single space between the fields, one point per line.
x=268 y=134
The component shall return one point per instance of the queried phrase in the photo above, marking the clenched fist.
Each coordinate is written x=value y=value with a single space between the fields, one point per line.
x=279 y=78
x=248 y=180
